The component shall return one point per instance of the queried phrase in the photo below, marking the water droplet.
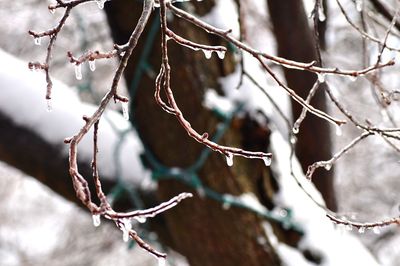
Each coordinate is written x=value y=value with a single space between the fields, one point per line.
x=361 y=230
x=96 y=220
x=161 y=261
x=78 y=72
x=293 y=139
x=92 y=65
x=328 y=166
x=339 y=131
x=37 y=40
x=49 y=105
x=221 y=54
x=140 y=219
x=321 y=77
x=267 y=160
x=125 y=110
x=376 y=230
x=349 y=227
x=207 y=53
x=229 y=159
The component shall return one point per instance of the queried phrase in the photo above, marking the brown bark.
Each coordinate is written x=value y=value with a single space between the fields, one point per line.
x=295 y=41
x=201 y=230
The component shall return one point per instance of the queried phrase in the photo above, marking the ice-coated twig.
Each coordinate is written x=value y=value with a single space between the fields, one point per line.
x=328 y=164
x=359 y=225
x=174 y=109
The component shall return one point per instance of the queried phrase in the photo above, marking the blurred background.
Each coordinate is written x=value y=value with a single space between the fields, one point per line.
x=39 y=227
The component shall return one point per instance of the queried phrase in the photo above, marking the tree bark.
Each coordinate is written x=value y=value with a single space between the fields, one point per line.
x=201 y=230
x=295 y=41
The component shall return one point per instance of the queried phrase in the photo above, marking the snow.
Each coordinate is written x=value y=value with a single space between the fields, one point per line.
x=24 y=102
x=338 y=247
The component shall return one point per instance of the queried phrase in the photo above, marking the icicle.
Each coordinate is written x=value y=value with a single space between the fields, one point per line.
x=125 y=110
x=126 y=227
x=96 y=220
x=78 y=72
x=229 y=159
x=267 y=160
x=361 y=230
x=349 y=227
x=49 y=105
x=359 y=5
x=321 y=77
x=92 y=65
x=37 y=40
x=221 y=54
x=321 y=13
x=328 y=166
x=207 y=53
x=339 y=131
x=140 y=219
x=161 y=261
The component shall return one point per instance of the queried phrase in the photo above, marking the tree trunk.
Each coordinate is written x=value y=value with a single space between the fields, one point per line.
x=295 y=41
x=201 y=230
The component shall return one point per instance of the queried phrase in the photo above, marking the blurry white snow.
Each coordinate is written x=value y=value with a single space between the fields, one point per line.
x=23 y=101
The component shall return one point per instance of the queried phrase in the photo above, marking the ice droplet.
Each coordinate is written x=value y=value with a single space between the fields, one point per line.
x=349 y=227
x=96 y=220
x=353 y=78
x=293 y=139
x=295 y=129
x=267 y=160
x=140 y=219
x=49 y=105
x=161 y=261
x=52 y=10
x=125 y=110
x=359 y=5
x=100 y=3
x=221 y=54
x=361 y=230
x=321 y=13
x=37 y=40
x=92 y=65
x=339 y=131
x=226 y=206
x=78 y=72
x=321 y=77
x=376 y=230
x=328 y=166
x=207 y=53
x=126 y=227
x=229 y=159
